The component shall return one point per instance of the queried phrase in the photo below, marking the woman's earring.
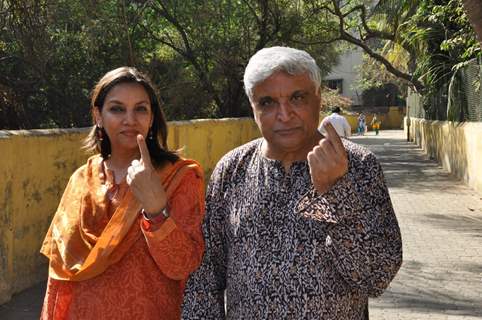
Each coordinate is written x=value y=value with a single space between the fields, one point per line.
x=99 y=134
x=150 y=134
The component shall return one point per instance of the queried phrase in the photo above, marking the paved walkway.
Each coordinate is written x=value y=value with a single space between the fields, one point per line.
x=441 y=223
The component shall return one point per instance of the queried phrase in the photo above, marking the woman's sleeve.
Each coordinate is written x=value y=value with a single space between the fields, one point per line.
x=176 y=244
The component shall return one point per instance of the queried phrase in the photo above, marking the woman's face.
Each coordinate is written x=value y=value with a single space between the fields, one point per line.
x=126 y=113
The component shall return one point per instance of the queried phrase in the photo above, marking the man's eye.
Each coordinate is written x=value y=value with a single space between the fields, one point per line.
x=266 y=103
x=298 y=97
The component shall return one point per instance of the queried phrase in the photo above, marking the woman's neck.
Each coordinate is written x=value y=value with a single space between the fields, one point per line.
x=118 y=163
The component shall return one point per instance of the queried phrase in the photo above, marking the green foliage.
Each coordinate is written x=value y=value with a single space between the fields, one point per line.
x=423 y=40
x=53 y=51
x=442 y=30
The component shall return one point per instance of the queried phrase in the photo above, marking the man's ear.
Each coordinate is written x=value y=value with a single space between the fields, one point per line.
x=255 y=115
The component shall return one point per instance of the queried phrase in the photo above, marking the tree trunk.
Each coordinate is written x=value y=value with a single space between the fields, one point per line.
x=473 y=8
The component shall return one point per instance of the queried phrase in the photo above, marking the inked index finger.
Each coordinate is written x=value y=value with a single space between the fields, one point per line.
x=145 y=157
x=332 y=136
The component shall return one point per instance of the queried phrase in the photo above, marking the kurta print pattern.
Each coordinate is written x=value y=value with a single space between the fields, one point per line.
x=148 y=281
x=280 y=250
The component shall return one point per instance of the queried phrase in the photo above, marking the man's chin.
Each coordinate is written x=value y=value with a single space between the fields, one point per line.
x=288 y=145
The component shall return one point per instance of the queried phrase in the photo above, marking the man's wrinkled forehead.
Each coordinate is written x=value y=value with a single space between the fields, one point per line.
x=283 y=84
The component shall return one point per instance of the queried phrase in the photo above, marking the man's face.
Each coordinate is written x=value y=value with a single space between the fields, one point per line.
x=286 y=109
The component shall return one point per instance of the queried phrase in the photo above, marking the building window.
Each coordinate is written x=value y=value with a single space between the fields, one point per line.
x=335 y=84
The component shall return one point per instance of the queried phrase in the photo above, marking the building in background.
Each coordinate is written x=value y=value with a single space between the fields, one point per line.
x=344 y=75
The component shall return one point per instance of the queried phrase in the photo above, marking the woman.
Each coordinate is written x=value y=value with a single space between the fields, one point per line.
x=376 y=124
x=361 y=124
x=127 y=231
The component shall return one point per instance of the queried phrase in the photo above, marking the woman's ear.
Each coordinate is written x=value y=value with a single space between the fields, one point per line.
x=97 y=117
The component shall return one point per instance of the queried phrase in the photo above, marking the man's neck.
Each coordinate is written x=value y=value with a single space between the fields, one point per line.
x=287 y=157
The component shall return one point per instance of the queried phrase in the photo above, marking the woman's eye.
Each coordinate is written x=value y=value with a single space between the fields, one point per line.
x=116 y=109
x=142 y=109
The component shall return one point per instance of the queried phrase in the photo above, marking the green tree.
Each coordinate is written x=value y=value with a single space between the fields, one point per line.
x=430 y=35
x=53 y=51
x=216 y=39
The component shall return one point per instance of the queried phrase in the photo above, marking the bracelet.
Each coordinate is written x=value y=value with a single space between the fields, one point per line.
x=163 y=214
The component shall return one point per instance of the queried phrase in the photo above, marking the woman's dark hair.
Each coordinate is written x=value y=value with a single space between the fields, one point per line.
x=157 y=148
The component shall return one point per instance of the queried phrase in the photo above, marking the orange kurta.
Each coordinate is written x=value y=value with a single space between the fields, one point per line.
x=147 y=282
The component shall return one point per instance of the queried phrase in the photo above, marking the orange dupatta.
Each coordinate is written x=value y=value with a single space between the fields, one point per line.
x=71 y=244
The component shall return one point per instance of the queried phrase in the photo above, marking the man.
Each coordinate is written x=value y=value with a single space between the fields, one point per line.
x=341 y=125
x=298 y=225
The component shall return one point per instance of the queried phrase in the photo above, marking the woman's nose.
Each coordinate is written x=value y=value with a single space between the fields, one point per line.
x=130 y=117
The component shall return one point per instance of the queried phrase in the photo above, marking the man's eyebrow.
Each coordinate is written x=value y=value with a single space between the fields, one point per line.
x=264 y=98
x=300 y=91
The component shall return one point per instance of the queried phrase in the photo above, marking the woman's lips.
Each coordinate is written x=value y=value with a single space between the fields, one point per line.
x=130 y=133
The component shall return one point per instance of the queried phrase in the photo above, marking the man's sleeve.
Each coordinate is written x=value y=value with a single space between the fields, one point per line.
x=204 y=294
x=363 y=236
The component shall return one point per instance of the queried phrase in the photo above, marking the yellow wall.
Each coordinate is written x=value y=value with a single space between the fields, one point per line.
x=457 y=146
x=208 y=140
x=35 y=166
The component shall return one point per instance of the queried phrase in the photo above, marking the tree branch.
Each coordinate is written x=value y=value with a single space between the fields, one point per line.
x=188 y=53
x=419 y=86
x=344 y=35
x=317 y=42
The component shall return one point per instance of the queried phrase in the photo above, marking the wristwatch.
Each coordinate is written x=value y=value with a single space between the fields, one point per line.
x=159 y=217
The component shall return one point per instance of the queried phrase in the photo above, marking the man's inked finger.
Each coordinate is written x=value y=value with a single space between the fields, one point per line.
x=334 y=138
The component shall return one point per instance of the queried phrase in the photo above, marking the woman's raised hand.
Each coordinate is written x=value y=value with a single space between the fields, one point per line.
x=144 y=182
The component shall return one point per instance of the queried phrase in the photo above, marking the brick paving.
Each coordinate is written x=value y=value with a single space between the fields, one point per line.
x=441 y=223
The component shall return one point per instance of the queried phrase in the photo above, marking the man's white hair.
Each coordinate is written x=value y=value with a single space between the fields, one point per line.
x=267 y=61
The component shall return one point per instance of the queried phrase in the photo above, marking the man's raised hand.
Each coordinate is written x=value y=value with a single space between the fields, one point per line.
x=328 y=161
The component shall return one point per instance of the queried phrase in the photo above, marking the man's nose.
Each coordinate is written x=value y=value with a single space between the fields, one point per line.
x=285 y=110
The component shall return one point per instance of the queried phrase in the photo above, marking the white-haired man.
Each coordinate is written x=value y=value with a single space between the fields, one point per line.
x=298 y=225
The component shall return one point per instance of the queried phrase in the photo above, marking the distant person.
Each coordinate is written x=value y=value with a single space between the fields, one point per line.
x=338 y=121
x=127 y=232
x=376 y=124
x=362 y=126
